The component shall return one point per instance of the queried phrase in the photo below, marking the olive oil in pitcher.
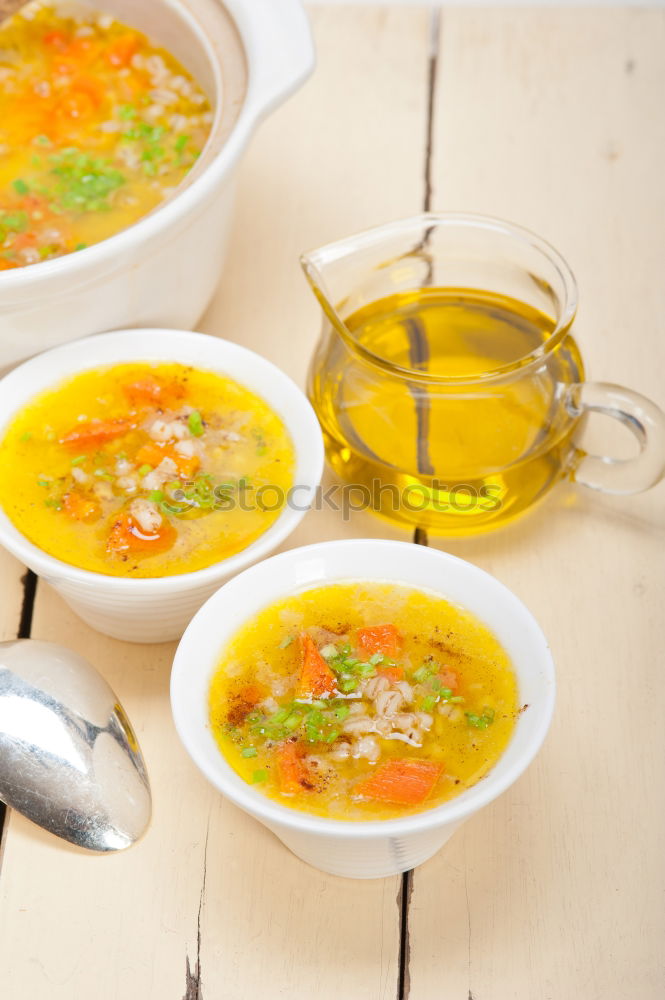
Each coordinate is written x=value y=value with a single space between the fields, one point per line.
x=447 y=406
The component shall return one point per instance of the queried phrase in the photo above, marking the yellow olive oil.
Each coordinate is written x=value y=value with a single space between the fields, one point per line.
x=435 y=412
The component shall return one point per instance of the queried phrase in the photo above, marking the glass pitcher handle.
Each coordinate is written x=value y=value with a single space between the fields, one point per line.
x=642 y=417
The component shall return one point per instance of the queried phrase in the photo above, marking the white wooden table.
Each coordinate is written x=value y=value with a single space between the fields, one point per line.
x=552 y=118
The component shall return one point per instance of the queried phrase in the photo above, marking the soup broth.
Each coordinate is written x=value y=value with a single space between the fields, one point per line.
x=363 y=701
x=145 y=470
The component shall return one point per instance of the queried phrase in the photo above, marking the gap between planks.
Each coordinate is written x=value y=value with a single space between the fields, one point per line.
x=420 y=534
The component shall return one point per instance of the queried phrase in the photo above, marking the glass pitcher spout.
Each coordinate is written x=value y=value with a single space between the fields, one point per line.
x=351 y=273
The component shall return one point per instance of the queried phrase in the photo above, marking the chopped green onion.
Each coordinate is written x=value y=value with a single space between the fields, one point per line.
x=145 y=469
x=481 y=721
x=258 y=776
x=331 y=737
x=292 y=722
x=249 y=752
x=44 y=482
x=349 y=685
x=195 y=424
x=42 y=140
x=20 y=186
x=329 y=651
x=156 y=495
x=287 y=642
x=376 y=658
x=52 y=502
x=27 y=436
x=457 y=699
x=15 y=222
x=79 y=459
x=428 y=703
x=421 y=674
x=342 y=713
x=181 y=142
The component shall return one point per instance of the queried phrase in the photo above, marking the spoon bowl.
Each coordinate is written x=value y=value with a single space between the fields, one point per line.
x=69 y=759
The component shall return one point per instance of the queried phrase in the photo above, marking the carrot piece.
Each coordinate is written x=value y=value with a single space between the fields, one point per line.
x=92 y=433
x=185 y=464
x=79 y=507
x=316 y=677
x=291 y=769
x=152 y=390
x=56 y=40
x=150 y=454
x=379 y=639
x=392 y=673
x=77 y=104
x=449 y=679
x=126 y=535
x=406 y=782
x=120 y=52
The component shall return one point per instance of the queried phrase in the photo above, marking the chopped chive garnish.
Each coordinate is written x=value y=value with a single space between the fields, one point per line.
x=181 y=142
x=145 y=469
x=44 y=482
x=329 y=651
x=258 y=776
x=331 y=737
x=421 y=674
x=27 y=436
x=480 y=721
x=156 y=495
x=376 y=658
x=428 y=703
x=456 y=699
x=342 y=712
x=79 y=459
x=195 y=424
x=287 y=642
x=249 y=752
x=20 y=186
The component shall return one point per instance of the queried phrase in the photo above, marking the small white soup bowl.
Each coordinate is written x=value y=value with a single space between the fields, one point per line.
x=158 y=609
x=378 y=847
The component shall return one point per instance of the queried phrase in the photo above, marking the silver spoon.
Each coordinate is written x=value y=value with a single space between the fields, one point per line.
x=69 y=759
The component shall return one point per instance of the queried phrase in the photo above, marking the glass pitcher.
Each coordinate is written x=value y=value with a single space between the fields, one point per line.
x=448 y=385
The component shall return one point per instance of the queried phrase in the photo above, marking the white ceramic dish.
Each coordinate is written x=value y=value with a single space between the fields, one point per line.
x=156 y=610
x=249 y=55
x=376 y=848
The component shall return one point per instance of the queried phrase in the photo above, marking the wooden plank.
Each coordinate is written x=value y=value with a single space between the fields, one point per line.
x=210 y=904
x=552 y=118
x=11 y=575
